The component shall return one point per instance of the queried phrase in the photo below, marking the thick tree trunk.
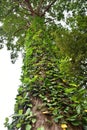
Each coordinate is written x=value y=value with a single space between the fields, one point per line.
x=43 y=92
x=45 y=119
x=44 y=79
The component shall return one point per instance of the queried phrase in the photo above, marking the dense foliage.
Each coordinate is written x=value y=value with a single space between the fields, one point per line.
x=54 y=59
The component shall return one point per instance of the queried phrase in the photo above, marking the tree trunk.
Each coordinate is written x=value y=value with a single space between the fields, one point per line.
x=45 y=119
x=44 y=79
x=42 y=96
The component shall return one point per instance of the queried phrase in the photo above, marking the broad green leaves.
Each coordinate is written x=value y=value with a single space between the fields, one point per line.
x=55 y=58
x=28 y=127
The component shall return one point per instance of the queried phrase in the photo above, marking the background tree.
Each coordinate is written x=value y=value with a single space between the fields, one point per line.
x=53 y=89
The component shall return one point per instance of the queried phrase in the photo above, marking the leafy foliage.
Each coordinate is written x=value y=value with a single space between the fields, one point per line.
x=55 y=58
x=17 y=16
x=65 y=99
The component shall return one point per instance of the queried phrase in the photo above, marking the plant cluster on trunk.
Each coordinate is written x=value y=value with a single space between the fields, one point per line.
x=52 y=94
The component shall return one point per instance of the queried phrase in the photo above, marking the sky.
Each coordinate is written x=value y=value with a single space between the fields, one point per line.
x=9 y=82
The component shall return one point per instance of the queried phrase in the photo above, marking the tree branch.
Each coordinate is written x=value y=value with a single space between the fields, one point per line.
x=48 y=7
x=22 y=28
x=30 y=7
x=39 y=6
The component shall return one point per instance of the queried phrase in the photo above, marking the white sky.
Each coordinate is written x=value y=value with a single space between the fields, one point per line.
x=9 y=82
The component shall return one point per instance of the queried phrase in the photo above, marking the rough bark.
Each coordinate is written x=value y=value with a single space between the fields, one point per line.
x=45 y=119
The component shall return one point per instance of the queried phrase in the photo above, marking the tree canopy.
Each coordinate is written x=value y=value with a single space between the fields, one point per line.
x=52 y=35
x=17 y=16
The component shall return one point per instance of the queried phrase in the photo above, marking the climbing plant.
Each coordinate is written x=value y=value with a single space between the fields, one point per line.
x=53 y=80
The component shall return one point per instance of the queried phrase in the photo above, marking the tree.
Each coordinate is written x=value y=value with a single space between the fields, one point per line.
x=50 y=94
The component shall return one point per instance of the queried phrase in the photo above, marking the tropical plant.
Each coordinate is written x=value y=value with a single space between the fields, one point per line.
x=54 y=68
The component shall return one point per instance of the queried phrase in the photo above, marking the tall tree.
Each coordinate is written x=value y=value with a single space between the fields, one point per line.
x=53 y=90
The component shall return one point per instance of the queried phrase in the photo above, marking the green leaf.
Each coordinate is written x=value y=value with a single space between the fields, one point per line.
x=28 y=127
x=72 y=118
x=56 y=119
x=6 y=123
x=28 y=111
x=6 y=119
x=18 y=125
x=33 y=120
x=20 y=112
x=69 y=90
x=76 y=123
x=78 y=108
